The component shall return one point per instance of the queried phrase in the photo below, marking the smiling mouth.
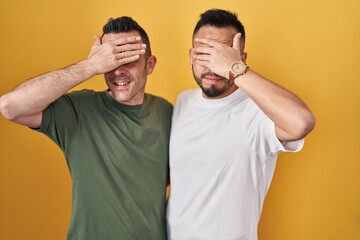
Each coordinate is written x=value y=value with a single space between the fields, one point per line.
x=121 y=83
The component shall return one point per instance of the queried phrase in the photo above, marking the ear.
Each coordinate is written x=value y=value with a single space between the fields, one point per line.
x=151 y=62
x=191 y=56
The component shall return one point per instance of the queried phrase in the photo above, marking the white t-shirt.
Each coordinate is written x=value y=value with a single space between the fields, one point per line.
x=222 y=158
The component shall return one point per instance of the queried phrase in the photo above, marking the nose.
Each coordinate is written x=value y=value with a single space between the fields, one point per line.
x=119 y=70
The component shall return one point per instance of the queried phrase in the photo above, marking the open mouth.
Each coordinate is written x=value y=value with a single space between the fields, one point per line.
x=121 y=83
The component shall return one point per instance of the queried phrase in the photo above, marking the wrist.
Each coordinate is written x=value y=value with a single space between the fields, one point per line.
x=89 y=68
x=237 y=69
x=244 y=78
x=80 y=71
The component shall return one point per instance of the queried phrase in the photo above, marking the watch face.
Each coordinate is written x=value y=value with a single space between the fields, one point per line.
x=238 y=67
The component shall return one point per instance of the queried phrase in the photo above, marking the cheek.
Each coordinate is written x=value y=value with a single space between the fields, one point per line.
x=198 y=69
x=139 y=76
x=107 y=76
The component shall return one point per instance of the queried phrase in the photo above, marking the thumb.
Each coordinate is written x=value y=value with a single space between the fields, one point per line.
x=237 y=41
x=97 y=41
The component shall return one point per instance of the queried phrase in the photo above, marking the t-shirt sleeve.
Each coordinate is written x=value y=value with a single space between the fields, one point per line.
x=60 y=120
x=260 y=130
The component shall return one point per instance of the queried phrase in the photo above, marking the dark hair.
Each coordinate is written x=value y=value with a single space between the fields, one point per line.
x=220 y=18
x=127 y=24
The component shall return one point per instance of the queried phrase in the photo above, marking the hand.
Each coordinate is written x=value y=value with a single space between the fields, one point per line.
x=217 y=56
x=110 y=55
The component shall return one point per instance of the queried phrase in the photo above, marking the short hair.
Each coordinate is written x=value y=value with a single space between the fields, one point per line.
x=221 y=18
x=127 y=24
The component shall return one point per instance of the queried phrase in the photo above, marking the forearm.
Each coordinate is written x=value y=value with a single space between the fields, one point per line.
x=34 y=95
x=292 y=117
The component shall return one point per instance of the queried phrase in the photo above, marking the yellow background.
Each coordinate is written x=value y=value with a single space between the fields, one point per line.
x=310 y=47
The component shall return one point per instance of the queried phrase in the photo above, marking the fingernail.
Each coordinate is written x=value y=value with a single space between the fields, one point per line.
x=137 y=38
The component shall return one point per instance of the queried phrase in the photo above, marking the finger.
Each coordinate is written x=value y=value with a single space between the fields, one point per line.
x=130 y=47
x=127 y=54
x=237 y=41
x=126 y=40
x=129 y=59
x=202 y=57
x=207 y=41
x=203 y=63
x=203 y=50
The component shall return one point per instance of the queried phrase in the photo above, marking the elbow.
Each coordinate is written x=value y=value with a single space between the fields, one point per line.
x=5 y=108
x=305 y=126
x=298 y=127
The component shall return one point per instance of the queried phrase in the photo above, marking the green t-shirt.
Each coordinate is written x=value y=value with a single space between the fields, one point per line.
x=118 y=159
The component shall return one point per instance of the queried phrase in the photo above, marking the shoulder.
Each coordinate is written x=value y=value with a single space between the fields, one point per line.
x=78 y=98
x=82 y=93
x=190 y=93
x=153 y=99
x=188 y=96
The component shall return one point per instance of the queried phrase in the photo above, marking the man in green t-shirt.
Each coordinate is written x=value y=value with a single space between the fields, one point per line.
x=115 y=141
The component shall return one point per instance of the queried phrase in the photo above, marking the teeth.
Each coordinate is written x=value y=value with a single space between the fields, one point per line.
x=121 y=83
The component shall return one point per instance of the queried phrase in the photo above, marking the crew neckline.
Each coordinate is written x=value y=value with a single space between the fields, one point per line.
x=122 y=105
x=235 y=96
x=136 y=111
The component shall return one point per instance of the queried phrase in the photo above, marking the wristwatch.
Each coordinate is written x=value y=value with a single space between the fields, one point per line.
x=237 y=69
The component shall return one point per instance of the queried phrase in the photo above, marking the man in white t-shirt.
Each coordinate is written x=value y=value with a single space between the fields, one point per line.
x=226 y=137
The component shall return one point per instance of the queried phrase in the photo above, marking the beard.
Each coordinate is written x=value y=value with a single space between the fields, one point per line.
x=213 y=91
